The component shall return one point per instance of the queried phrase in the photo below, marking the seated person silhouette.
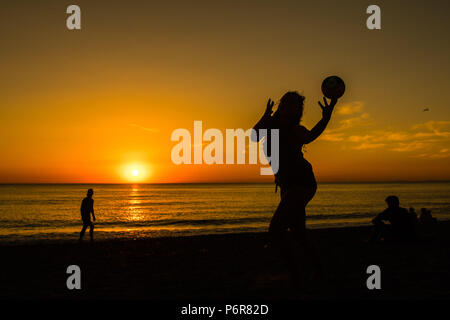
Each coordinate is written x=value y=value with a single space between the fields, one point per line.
x=401 y=227
x=413 y=216
x=426 y=217
x=87 y=207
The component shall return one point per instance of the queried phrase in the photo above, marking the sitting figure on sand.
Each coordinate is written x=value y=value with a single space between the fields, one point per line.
x=426 y=217
x=402 y=223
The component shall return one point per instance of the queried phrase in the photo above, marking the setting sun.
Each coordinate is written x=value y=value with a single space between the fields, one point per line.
x=136 y=172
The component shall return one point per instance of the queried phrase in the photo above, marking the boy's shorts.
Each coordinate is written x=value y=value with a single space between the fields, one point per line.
x=87 y=222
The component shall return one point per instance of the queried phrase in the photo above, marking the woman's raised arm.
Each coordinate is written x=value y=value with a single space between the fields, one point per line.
x=327 y=110
x=263 y=122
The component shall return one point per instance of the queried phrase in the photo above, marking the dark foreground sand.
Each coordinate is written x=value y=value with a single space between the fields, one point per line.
x=227 y=267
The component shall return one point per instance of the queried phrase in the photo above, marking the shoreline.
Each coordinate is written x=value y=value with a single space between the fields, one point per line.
x=71 y=238
x=227 y=266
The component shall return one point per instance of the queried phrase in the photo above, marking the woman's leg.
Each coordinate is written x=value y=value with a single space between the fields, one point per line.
x=278 y=223
x=306 y=242
x=298 y=226
x=291 y=214
x=278 y=227
x=278 y=234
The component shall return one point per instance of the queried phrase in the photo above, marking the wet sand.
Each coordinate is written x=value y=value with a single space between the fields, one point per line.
x=232 y=266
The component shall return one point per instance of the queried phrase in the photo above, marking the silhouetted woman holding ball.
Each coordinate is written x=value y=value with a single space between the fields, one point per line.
x=295 y=176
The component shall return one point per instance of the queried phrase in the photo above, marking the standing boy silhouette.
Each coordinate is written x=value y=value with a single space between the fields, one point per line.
x=87 y=207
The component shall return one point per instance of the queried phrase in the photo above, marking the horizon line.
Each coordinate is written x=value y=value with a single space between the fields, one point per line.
x=215 y=182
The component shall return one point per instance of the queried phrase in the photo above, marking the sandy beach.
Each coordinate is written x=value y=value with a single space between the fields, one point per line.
x=231 y=266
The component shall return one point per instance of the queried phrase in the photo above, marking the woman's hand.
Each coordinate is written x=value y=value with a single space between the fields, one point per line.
x=327 y=109
x=269 y=107
x=264 y=122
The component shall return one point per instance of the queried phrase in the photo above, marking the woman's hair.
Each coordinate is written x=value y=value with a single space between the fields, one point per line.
x=294 y=100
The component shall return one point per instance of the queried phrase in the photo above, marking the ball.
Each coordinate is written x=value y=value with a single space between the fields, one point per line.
x=333 y=87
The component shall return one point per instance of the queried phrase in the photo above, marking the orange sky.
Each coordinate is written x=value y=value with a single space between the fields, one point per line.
x=87 y=105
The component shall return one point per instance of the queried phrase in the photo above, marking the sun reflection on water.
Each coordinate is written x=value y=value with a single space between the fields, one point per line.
x=134 y=210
